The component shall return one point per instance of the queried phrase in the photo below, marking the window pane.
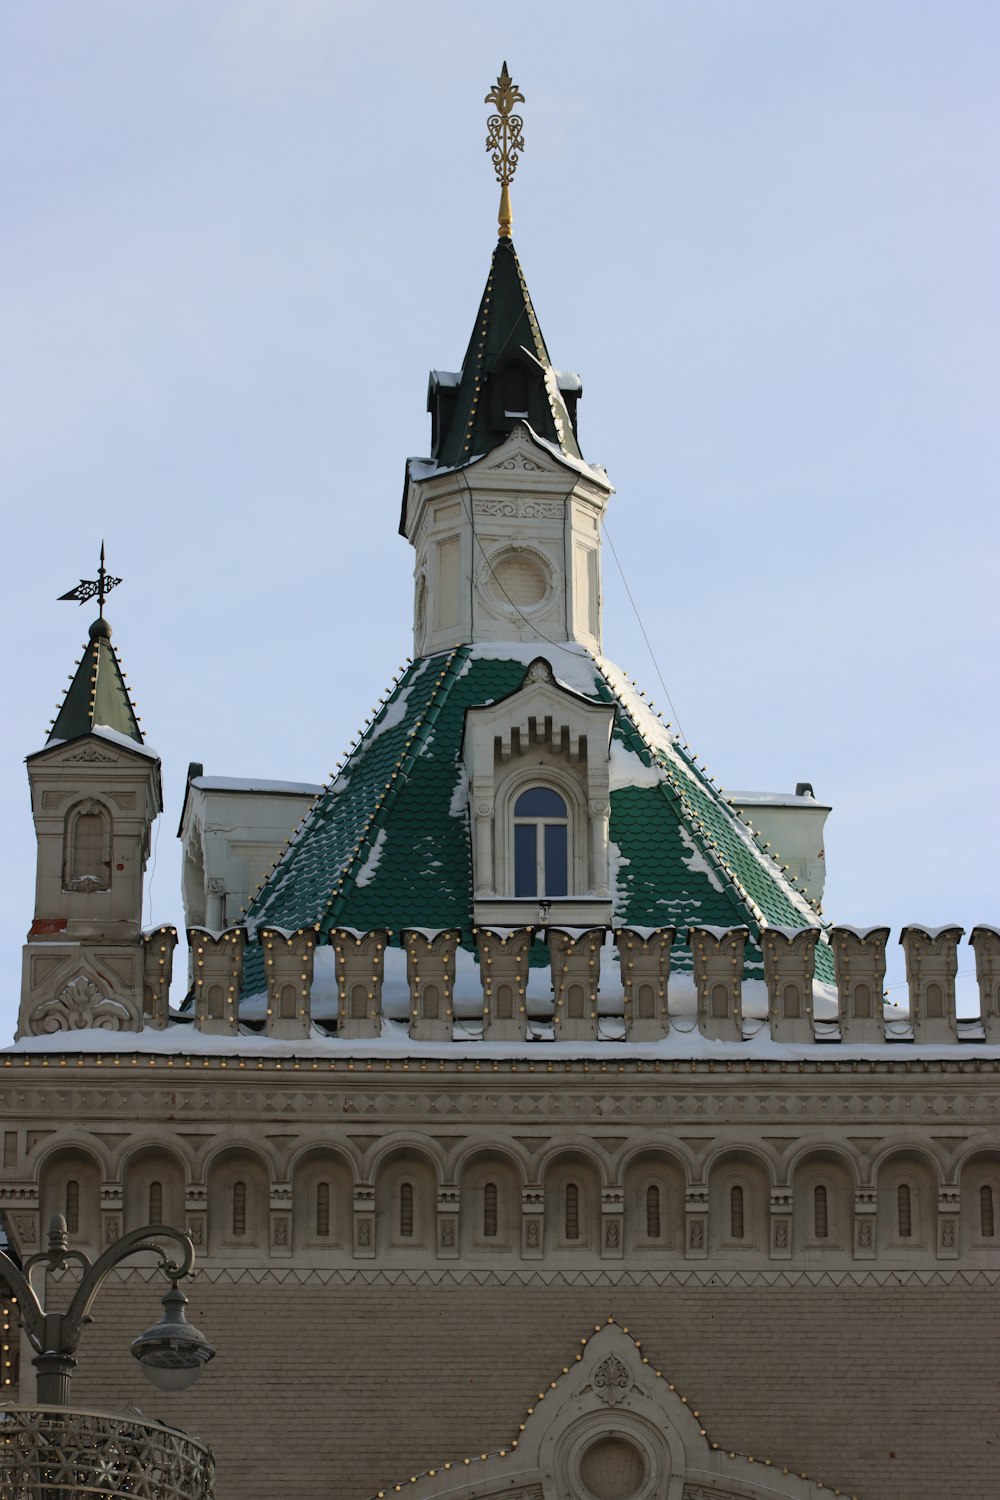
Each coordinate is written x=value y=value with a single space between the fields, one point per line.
x=556 y=882
x=525 y=873
x=539 y=802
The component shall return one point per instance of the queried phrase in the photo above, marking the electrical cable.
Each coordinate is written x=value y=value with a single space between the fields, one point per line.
x=649 y=648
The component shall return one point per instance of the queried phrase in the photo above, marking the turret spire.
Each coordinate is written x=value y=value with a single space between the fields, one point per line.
x=504 y=140
x=97 y=697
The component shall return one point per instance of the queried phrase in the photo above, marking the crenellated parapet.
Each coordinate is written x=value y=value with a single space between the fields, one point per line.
x=576 y=974
x=859 y=964
x=789 y=967
x=217 y=966
x=157 y=970
x=931 y=966
x=288 y=968
x=645 y=970
x=503 y=968
x=718 y=974
x=430 y=974
x=360 y=967
x=986 y=943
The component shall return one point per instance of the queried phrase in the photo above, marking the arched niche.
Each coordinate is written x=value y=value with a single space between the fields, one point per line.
x=906 y=1229
x=490 y=1187
x=71 y=1186
x=405 y=1204
x=322 y=1187
x=822 y=1207
x=238 y=1193
x=738 y=1205
x=980 y=1219
x=572 y=1205
x=154 y=1184
x=654 y=1205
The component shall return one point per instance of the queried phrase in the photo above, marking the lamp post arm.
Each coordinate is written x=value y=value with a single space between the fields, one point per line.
x=77 y=1314
x=31 y=1315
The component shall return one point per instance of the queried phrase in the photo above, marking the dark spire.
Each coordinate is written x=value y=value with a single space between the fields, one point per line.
x=506 y=376
x=97 y=697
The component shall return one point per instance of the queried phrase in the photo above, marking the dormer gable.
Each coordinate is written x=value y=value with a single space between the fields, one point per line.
x=538 y=769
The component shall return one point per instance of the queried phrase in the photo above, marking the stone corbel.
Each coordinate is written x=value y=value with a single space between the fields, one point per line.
x=717 y=954
x=612 y=1223
x=430 y=972
x=532 y=1222
x=360 y=963
x=448 y=1204
x=576 y=975
x=985 y=942
x=217 y=968
x=281 y=1220
x=865 y=1222
x=789 y=965
x=931 y=966
x=157 y=968
x=948 y=1221
x=503 y=972
x=696 y=1222
x=859 y=964
x=364 y=1221
x=781 y=1223
x=645 y=964
x=288 y=969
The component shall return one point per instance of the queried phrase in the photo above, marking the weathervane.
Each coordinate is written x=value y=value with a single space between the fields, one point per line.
x=88 y=587
x=504 y=140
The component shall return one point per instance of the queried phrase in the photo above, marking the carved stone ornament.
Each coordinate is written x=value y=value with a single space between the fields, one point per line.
x=24 y=1228
x=91 y=753
x=612 y=1380
x=79 y=1005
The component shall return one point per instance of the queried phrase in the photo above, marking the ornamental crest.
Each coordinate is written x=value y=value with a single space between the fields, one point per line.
x=612 y=1380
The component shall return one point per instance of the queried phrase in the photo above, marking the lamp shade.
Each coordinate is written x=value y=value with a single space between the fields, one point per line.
x=172 y=1353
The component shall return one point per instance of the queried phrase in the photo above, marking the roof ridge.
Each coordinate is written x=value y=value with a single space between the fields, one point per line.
x=411 y=749
x=707 y=844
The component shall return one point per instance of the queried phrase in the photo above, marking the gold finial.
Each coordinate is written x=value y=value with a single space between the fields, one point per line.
x=504 y=140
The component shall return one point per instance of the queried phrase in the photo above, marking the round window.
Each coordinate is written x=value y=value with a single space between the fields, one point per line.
x=518 y=581
x=613 y=1468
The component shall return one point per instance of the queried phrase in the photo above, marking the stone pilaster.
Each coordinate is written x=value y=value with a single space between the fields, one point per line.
x=613 y=1223
x=196 y=1214
x=533 y=1222
x=576 y=975
x=217 y=966
x=696 y=1222
x=718 y=975
x=448 y=1204
x=865 y=1221
x=931 y=966
x=780 y=1237
x=112 y=1209
x=360 y=964
x=288 y=968
x=157 y=967
x=789 y=965
x=364 y=1221
x=645 y=970
x=430 y=973
x=949 y=1205
x=503 y=970
x=859 y=964
x=281 y=1220
x=986 y=944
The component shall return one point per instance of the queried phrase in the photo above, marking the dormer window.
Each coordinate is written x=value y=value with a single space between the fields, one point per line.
x=541 y=844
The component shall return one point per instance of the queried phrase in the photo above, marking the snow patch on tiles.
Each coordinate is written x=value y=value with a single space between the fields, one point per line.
x=696 y=861
x=572 y=666
x=371 y=864
x=628 y=770
x=619 y=892
x=458 y=807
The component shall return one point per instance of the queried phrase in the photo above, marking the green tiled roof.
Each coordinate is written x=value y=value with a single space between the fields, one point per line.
x=97 y=696
x=387 y=843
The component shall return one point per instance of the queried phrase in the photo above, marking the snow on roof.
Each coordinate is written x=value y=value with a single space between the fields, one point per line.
x=772 y=799
x=255 y=784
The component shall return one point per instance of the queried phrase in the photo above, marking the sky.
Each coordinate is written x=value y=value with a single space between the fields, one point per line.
x=237 y=234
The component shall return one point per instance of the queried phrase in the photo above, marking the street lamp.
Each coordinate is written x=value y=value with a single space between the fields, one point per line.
x=171 y=1354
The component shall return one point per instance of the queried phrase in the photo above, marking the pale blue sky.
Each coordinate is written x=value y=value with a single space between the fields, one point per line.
x=237 y=233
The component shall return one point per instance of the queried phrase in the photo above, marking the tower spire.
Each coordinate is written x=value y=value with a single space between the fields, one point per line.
x=97 y=697
x=504 y=140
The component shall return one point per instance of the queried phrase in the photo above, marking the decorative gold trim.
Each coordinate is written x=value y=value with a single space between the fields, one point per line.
x=504 y=141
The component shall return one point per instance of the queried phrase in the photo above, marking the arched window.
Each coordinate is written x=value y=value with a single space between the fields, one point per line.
x=239 y=1210
x=323 y=1210
x=736 y=1224
x=406 y=1210
x=571 y=1224
x=987 y=1216
x=541 y=843
x=490 y=1211
x=652 y=1213
x=73 y=1206
x=904 y=1211
x=821 y=1220
x=156 y=1202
